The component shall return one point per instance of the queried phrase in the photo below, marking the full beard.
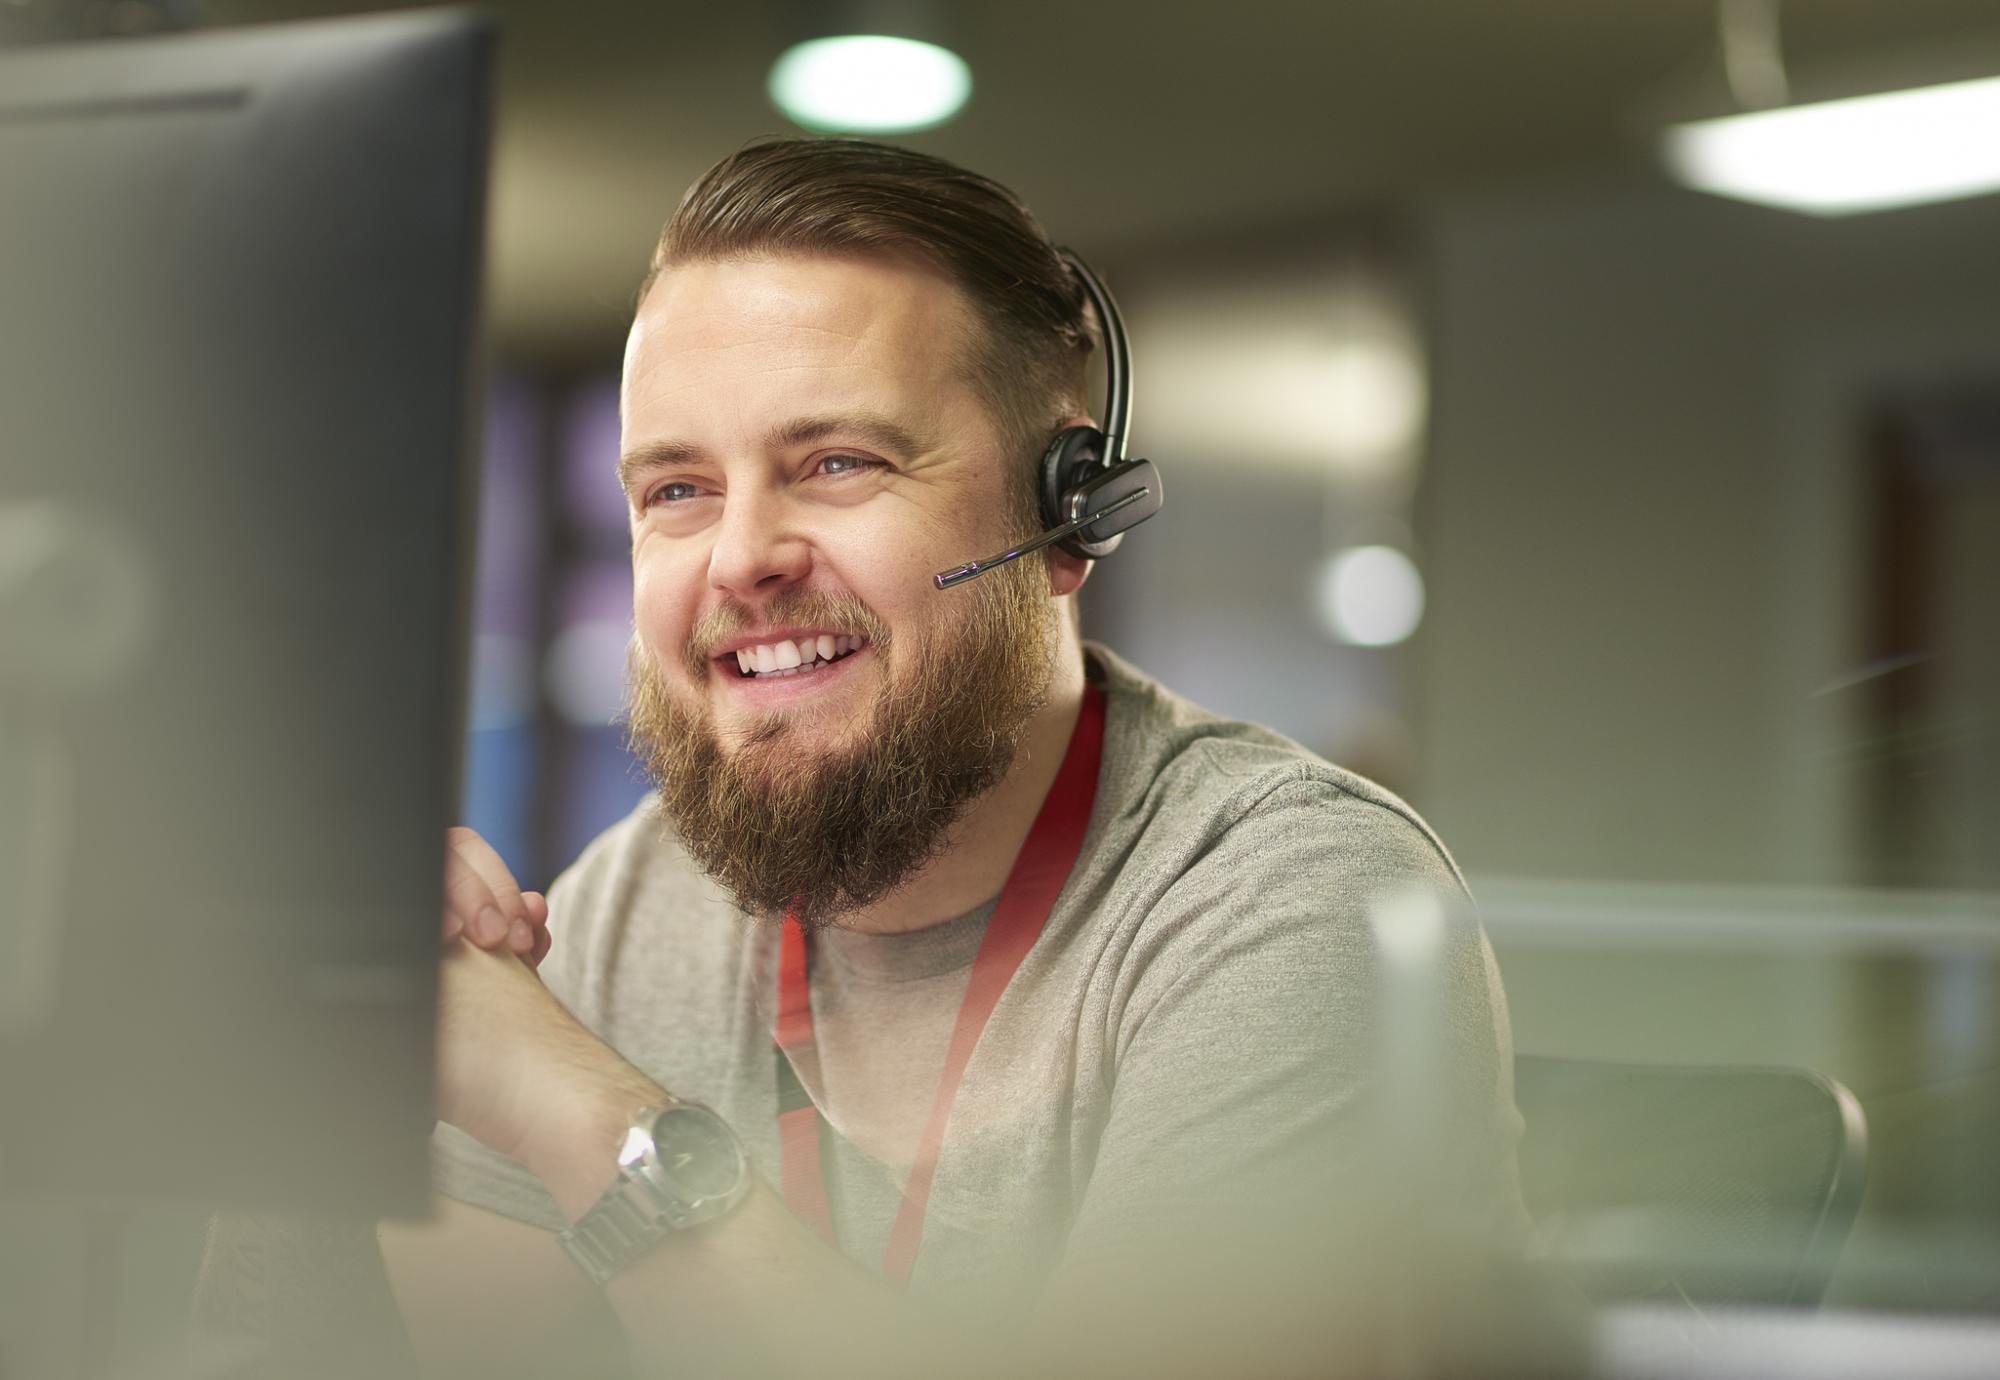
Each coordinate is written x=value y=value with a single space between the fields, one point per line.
x=816 y=834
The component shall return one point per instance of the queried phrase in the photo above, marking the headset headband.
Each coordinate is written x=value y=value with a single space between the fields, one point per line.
x=1117 y=359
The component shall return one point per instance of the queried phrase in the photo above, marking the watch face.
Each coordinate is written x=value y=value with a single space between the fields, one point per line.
x=697 y=1151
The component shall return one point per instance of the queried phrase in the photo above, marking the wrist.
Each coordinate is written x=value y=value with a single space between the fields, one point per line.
x=573 y=1147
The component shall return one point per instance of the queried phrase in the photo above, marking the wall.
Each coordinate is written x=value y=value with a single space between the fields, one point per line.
x=1640 y=518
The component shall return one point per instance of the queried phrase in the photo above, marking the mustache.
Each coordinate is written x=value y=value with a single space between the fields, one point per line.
x=822 y=608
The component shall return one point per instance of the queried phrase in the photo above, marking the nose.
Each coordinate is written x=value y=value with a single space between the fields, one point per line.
x=758 y=549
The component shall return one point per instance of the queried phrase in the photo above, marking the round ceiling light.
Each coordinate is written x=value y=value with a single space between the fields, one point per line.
x=870 y=84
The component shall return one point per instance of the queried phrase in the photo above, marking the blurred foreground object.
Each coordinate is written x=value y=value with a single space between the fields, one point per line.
x=53 y=21
x=237 y=282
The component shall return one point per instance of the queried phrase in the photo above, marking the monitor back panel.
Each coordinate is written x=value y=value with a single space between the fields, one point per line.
x=237 y=290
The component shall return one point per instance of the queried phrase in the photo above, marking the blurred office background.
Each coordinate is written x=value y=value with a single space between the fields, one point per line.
x=1647 y=540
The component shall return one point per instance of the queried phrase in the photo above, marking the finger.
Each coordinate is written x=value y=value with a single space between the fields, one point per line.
x=536 y=943
x=483 y=890
x=466 y=899
x=520 y=936
x=478 y=855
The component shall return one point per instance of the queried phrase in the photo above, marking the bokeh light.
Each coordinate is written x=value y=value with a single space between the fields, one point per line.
x=1370 y=596
x=870 y=84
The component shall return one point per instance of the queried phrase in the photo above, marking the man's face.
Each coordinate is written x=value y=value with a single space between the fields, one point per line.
x=802 y=454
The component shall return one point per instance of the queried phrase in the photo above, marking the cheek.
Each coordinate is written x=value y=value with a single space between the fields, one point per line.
x=888 y=571
x=896 y=561
x=661 y=598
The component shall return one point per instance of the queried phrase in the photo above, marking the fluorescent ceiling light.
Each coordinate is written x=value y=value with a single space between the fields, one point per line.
x=870 y=84
x=1834 y=158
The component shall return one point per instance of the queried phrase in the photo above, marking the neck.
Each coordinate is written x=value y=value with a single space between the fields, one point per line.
x=985 y=841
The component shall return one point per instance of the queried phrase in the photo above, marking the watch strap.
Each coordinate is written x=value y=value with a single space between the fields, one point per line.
x=622 y=1225
x=635 y=1214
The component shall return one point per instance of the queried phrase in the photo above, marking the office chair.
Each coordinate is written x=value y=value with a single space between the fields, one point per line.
x=1707 y=1185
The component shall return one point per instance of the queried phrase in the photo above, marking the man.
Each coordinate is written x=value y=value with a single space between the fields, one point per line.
x=843 y=372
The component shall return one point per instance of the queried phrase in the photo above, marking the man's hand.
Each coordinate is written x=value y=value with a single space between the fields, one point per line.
x=519 y=1073
x=514 y=1067
x=483 y=902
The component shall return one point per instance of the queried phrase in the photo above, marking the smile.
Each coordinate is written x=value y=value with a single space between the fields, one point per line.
x=793 y=656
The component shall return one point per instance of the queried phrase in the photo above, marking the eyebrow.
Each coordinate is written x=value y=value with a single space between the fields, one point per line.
x=873 y=428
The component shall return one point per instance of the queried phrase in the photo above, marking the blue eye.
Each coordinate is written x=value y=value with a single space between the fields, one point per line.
x=676 y=492
x=843 y=463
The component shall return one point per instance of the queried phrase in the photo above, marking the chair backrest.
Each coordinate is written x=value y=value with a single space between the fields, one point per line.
x=1717 y=1184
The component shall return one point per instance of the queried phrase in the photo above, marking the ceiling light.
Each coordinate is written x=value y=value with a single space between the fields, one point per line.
x=870 y=84
x=1834 y=158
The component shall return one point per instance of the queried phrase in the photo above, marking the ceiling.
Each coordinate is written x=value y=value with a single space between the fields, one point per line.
x=1126 y=123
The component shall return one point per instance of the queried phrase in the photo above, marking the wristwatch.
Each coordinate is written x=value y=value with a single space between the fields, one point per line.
x=680 y=1165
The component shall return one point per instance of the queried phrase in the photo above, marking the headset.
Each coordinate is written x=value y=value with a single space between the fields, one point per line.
x=1091 y=494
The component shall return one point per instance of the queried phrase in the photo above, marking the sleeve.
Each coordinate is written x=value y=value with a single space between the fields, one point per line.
x=1252 y=1097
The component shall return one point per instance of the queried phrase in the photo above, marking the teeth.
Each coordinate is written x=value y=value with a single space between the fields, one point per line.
x=790 y=658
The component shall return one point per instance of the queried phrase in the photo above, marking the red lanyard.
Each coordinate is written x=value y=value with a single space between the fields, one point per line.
x=1023 y=909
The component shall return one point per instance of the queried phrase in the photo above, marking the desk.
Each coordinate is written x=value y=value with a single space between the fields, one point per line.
x=1650 y=1342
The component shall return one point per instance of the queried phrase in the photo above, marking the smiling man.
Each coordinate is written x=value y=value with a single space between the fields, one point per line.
x=804 y=437
x=956 y=974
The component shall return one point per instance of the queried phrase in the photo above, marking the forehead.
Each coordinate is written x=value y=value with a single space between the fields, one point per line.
x=714 y=338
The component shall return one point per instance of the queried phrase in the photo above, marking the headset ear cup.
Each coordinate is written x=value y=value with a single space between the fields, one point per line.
x=1072 y=457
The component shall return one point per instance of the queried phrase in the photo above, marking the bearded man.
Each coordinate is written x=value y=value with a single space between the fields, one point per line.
x=1000 y=966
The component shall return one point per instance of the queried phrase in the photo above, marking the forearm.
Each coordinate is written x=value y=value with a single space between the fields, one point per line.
x=754 y=1292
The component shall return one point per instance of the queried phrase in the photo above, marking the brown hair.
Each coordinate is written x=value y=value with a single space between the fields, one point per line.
x=855 y=196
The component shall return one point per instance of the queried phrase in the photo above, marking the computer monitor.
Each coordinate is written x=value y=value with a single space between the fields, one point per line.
x=238 y=278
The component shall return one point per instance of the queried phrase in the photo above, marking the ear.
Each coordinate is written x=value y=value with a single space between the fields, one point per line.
x=1066 y=572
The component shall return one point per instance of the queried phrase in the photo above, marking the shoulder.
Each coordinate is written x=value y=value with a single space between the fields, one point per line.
x=1195 y=792
x=1245 y=888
